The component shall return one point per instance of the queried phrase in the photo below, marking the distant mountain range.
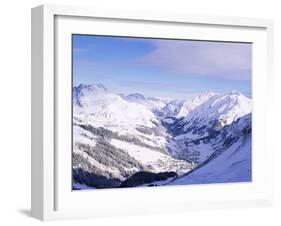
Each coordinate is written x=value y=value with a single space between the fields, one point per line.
x=133 y=140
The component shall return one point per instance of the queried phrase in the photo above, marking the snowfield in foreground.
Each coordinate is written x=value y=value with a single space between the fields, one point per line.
x=234 y=165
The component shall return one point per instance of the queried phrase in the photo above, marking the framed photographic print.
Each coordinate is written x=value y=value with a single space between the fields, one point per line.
x=138 y=112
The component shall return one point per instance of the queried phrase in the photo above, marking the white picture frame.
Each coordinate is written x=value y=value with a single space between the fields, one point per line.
x=52 y=197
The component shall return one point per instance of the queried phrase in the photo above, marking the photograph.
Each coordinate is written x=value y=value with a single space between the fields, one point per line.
x=150 y=112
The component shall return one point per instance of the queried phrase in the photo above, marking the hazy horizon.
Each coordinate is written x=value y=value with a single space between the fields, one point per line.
x=178 y=69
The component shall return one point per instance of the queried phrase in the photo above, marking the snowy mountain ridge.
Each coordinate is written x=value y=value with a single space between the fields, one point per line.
x=95 y=105
x=181 y=108
x=116 y=135
x=152 y=103
x=231 y=160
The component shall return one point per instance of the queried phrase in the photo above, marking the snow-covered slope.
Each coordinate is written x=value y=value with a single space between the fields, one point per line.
x=212 y=115
x=194 y=135
x=225 y=108
x=232 y=164
x=152 y=103
x=114 y=138
x=181 y=108
x=171 y=109
x=99 y=107
x=188 y=106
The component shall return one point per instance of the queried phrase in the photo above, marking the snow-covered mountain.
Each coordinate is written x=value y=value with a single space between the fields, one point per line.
x=181 y=108
x=96 y=106
x=152 y=103
x=194 y=135
x=114 y=138
x=231 y=160
x=215 y=113
x=117 y=136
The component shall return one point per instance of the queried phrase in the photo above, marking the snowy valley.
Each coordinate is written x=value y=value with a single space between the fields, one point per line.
x=133 y=140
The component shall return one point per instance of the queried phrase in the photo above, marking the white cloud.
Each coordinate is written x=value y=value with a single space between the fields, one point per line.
x=213 y=59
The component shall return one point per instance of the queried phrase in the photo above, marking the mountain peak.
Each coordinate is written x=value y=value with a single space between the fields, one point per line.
x=135 y=96
x=234 y=92
x=86 y=91
x=204 y=96
x=92 y=87
x=226 y=108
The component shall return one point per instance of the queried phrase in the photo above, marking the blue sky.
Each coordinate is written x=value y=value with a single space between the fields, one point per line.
x=164 y=68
